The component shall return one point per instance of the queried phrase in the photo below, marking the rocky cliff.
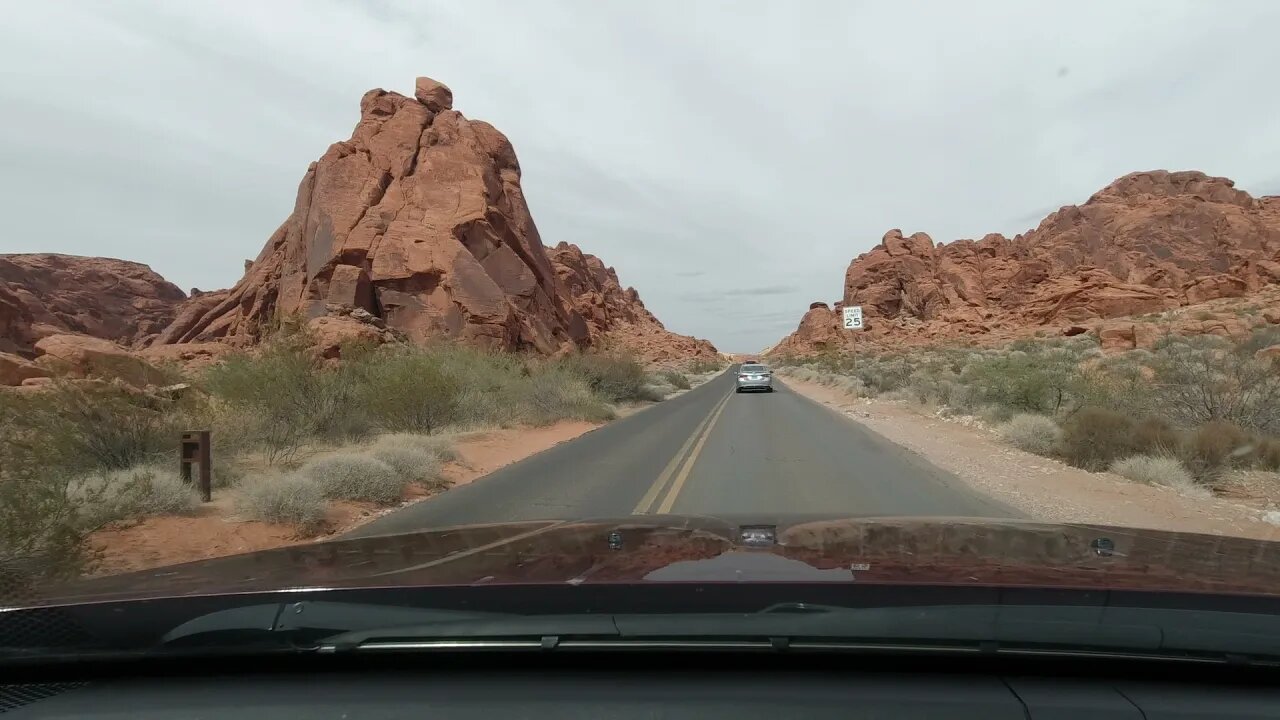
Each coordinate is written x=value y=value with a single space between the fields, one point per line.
x=418 y=219
x=46 y=294
x=1148 y=242
x=616 y=317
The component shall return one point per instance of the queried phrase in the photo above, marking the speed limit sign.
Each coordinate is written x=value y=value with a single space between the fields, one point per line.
x=853 y=317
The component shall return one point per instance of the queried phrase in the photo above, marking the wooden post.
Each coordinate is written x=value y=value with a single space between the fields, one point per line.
x=196 y=452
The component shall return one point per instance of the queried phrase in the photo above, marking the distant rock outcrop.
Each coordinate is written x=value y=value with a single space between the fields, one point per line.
x=617 y=317
x=44 y=294
x=1148 y=242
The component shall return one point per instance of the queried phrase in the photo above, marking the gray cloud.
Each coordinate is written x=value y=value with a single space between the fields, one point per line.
x=730 y=180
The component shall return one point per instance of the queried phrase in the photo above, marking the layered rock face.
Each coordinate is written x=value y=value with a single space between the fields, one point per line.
x=46 y=294
x=418 y=219
x=616 y=316
x=1148 y=242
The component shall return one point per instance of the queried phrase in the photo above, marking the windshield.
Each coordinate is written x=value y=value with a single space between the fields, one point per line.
x=635 y=294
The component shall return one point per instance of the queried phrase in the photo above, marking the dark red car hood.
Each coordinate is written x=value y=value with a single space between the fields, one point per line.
x=668 y=548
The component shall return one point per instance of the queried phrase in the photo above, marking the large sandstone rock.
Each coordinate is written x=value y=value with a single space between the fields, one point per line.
x=1146 y=243
x=14 y=369
x=81 y=356
x=616 y=317
x=40 y=294
x=419 y=219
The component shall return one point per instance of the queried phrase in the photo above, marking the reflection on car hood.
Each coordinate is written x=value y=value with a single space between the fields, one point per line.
x=673 y=548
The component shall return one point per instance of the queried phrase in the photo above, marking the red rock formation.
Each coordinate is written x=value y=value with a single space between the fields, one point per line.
x=418 y=219
x=617 y=317
x=43 y=294
x=1147 y=242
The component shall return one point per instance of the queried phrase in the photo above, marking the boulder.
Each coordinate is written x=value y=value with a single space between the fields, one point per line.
x=81 y=356
x=14 y=370
x=1271 y=353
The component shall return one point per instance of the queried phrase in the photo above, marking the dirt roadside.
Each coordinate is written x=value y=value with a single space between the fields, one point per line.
x=216 y=531
x=1042 y=488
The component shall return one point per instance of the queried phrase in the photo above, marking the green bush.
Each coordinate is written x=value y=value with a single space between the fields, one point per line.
x=556 y=393
x=1093 y=438
x=675 y=378
x=1158 y=470
x=85 y=426
x=406 y=389
x=290 y=499
x=614 y=378
x=1033 y=433
x=285 y=399
x=355 y=477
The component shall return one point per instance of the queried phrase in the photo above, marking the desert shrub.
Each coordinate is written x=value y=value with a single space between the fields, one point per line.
x=1203 y=379
x=1023 y=381
x=613 y=377
x=1215 y=446
x=413 y=464
x=702 y=366
x=438 y=446
x=408 y=389
x=1155 y=435
x=556 y=393
x=355 y=477
x=291 y=499
x=130 y=494
x=883 y=375
x=1093 y=438
x=1267 y=456
x=1158 y=470
x=1033 y=433
x=225 y=473
x=86 y=426
x=674 y=378
x=993 y=414
x=285 y=399
x=1261 y=338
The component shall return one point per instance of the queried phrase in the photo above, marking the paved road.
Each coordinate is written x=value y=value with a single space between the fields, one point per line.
x=709 y=451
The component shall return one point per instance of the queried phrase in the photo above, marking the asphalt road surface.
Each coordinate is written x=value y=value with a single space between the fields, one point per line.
x=710 y=451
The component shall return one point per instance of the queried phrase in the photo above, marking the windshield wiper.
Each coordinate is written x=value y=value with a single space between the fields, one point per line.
x=1167 y=634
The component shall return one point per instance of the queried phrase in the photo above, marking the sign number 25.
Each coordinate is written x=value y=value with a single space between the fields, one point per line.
x=853 y=317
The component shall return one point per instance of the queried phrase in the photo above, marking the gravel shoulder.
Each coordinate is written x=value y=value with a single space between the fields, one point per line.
x=1042 y=488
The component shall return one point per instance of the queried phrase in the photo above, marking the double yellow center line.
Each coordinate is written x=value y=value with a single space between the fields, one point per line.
x=683 y=460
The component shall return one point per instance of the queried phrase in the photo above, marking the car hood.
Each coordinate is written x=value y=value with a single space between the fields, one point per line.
x=677 y=549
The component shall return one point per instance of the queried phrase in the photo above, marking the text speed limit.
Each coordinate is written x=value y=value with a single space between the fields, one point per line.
x=853 y=317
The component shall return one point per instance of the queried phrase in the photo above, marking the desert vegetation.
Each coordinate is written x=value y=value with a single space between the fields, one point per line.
x=291 y=432
x=1180 y=414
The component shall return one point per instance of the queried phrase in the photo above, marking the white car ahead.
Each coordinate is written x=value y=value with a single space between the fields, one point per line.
x=752 y=376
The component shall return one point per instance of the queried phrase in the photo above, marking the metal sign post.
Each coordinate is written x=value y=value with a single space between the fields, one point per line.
x=196 y=451
x=852 y=315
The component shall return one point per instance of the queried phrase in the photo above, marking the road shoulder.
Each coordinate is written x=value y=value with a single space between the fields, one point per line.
x=1041 y=488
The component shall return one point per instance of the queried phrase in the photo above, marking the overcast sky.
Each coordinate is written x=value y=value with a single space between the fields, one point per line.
x=728 y=158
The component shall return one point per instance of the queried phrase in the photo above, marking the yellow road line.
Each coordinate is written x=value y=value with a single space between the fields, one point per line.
x=646 y=502
x=670 y=500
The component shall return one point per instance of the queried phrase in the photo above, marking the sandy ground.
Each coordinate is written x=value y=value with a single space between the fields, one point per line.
x=1049 y=490
x=216 y=531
